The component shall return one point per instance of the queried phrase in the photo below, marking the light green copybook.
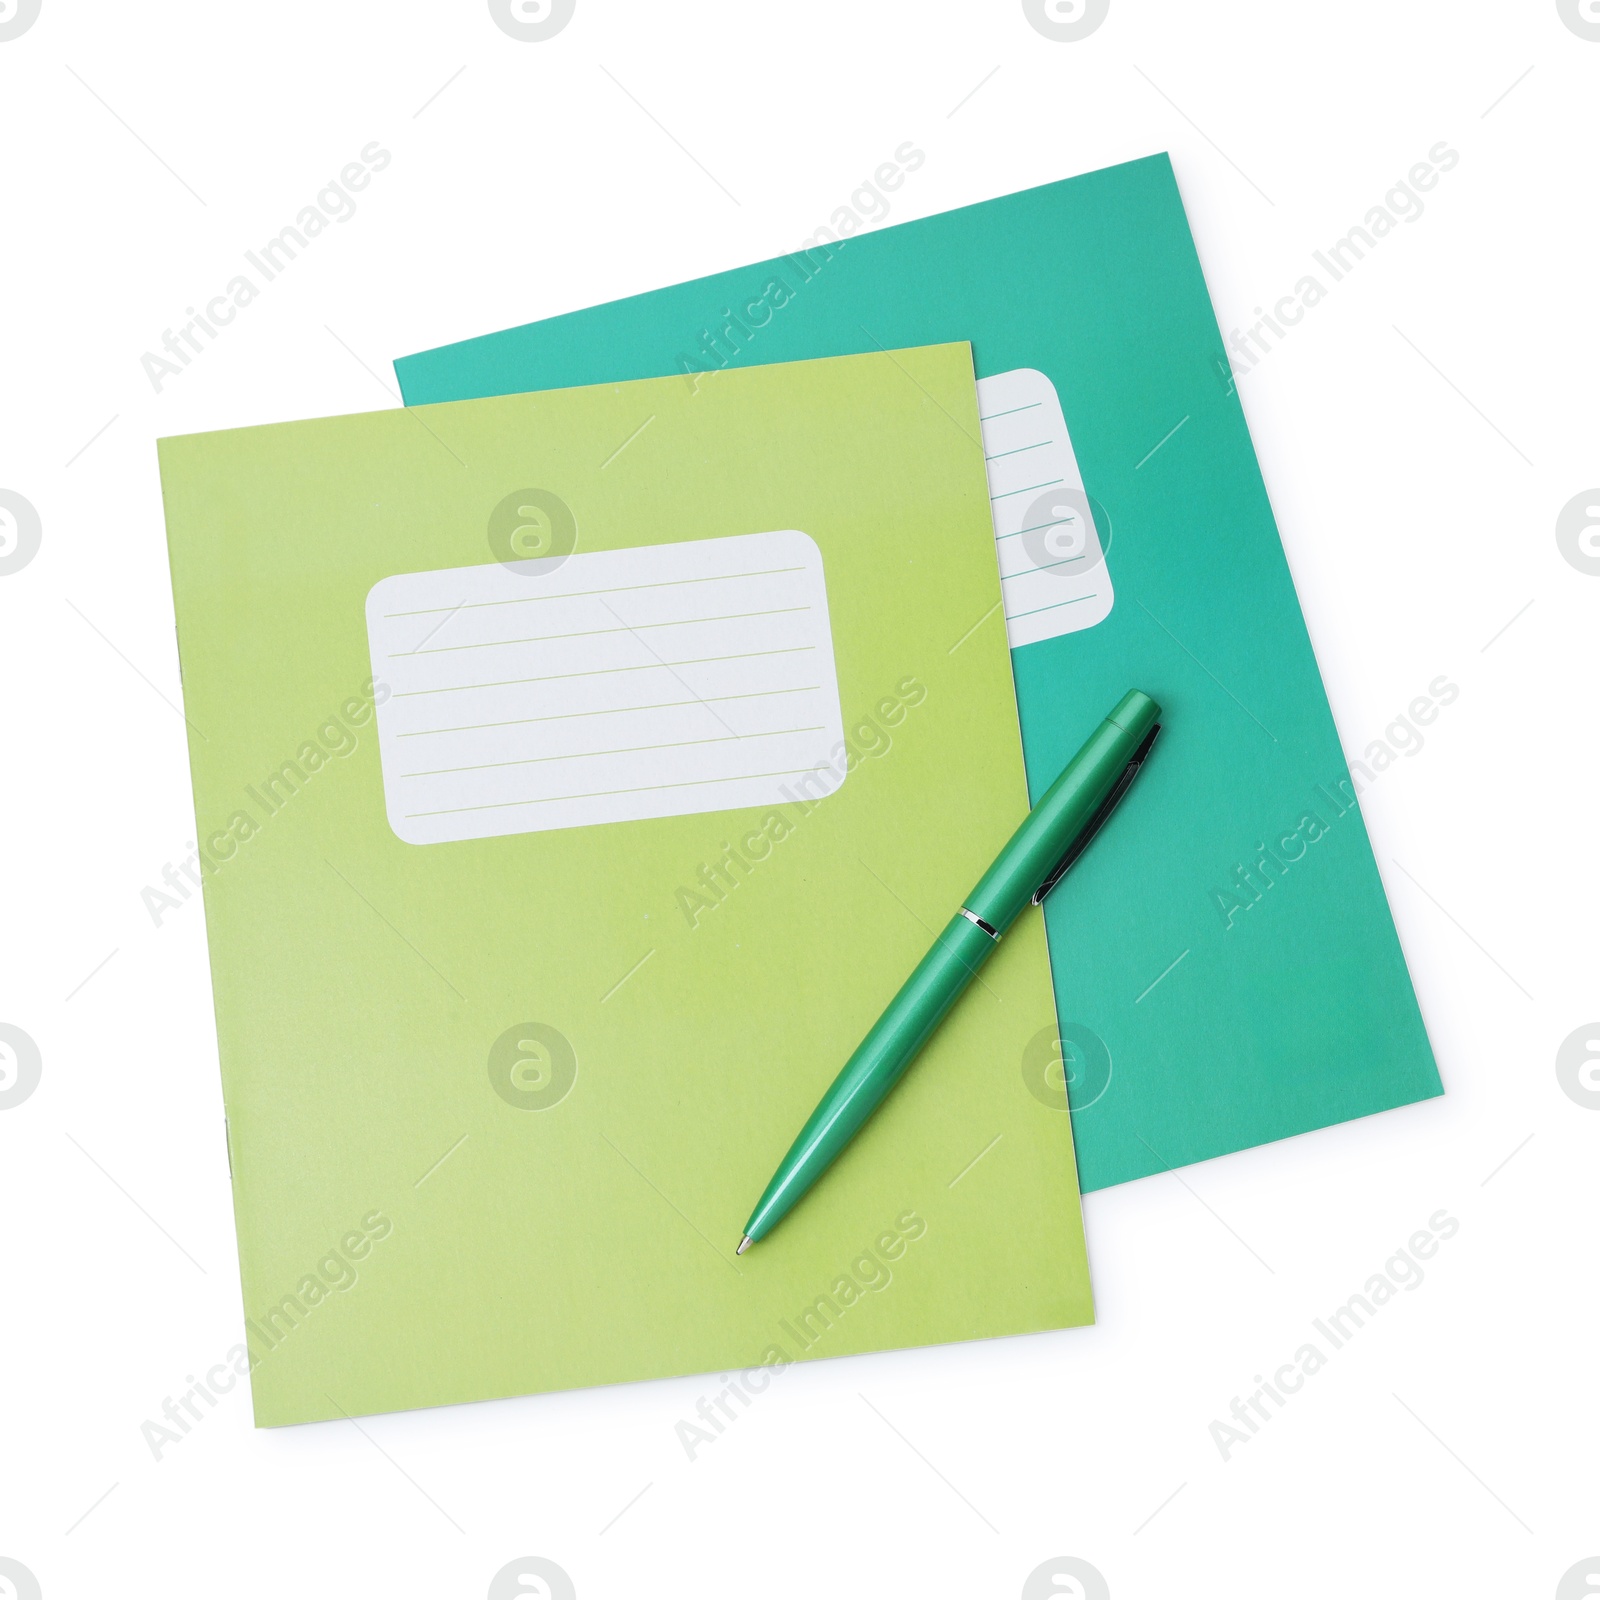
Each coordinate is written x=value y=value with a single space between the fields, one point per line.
x=577 y=775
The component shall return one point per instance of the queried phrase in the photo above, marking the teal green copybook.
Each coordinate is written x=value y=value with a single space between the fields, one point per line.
x=1226 y=968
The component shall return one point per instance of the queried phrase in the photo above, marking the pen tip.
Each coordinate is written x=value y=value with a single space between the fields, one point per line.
x=744 y=1244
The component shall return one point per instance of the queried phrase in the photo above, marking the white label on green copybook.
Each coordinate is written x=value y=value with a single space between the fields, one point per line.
x=1053 y=575
x=609 y=686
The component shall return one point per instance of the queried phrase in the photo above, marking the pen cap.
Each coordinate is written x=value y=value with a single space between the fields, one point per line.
x=1065 y=810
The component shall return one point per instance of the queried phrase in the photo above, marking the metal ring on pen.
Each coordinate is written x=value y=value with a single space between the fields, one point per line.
x=978 y=922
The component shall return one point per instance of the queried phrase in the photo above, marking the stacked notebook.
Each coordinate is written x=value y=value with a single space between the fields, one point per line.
x=584 y=754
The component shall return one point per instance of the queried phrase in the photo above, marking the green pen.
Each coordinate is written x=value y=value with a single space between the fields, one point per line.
x=1052 y=836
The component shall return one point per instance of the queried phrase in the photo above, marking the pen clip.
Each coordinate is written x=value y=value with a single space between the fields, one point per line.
x=1098 y=820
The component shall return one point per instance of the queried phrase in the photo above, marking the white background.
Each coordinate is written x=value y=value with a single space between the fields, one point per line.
x=1419 y=433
